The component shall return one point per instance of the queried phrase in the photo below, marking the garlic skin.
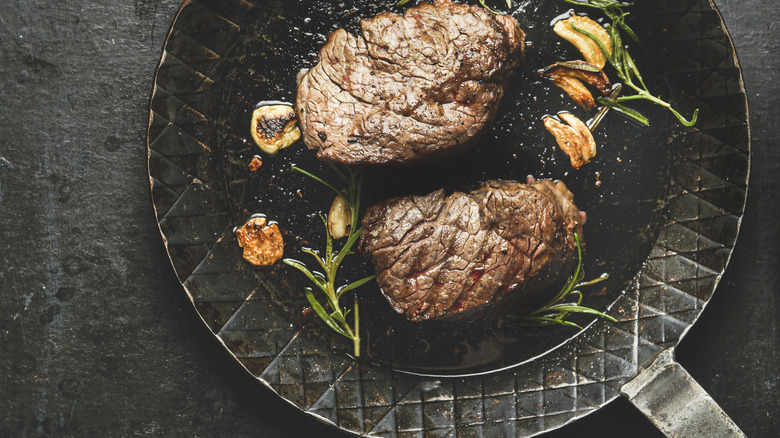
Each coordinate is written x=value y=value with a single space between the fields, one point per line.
x=573 y=137
x=274 y=127
x=590 y=49
x=339 y=218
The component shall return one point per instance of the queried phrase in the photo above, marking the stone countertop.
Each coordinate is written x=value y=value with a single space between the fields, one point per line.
x=96 y=336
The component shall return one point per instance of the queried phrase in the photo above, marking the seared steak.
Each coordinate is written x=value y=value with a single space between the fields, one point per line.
x=410 y=87
x=456 y=256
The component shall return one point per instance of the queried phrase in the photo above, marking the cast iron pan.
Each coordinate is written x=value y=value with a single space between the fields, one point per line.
x=664 y=205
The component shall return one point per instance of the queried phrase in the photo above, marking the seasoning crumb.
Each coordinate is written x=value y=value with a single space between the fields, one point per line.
x=263 y=244
x=255 y=163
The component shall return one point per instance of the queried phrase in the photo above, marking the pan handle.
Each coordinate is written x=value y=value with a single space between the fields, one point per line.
x=669 y=397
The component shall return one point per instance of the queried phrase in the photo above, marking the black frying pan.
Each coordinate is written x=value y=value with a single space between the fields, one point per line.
x=664 y=205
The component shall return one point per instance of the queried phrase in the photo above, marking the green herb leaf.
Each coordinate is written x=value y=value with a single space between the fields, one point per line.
x=598 y=42
x=627 y=30
x=682 y=119
x=316 y=257
x=330 y=262
x=579 y=66
x=318 y=179
x=557 y=310
x=345 y=250
x=603 y=277
x=622 y=61
x=570 y=308
x=484 y=5
x=635 y=70
x=622 y=109
x=301 y=267
x=355 y=284
x=535 y=321
x=320 y=311
x=339 y=316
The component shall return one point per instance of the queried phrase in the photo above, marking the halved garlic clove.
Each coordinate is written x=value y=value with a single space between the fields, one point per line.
x=585 y=44
x=576 y=90
x=274 y=127
x=567 y=76
x=574 y=138
x=263 y=244
x=339 y=218
x=588 y=73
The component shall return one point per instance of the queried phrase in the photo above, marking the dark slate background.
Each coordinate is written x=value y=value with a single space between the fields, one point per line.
x=96 y=336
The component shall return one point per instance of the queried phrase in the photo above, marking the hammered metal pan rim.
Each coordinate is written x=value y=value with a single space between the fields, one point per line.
x=743 y=91
x=245 y=370
x=329 y=421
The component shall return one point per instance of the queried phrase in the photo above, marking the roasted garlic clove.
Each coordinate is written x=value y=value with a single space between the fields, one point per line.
x=576 y=90
x=339 y=218
x=274 y=127
x=574 y=138
x=263 y=244
x=568 y=76
x=585 y=44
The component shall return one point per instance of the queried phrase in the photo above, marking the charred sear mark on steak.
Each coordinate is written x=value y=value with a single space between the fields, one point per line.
x=457 y=256
x=411 y=87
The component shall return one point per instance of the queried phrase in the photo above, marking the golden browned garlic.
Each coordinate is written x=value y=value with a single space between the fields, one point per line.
x=339 y=218
x=255 y=163
x=274 y=127
x=263 y=244
x=590 y=49
x=568 y=76
x=574 y=138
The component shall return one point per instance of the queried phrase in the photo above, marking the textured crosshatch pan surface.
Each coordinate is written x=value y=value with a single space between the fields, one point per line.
x=251 y=315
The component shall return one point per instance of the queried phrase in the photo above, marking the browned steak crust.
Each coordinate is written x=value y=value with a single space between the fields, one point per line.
x=411 y=87
x=451 y=256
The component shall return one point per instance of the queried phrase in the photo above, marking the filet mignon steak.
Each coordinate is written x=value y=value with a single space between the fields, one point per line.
x=457 y=256
x=411 y=87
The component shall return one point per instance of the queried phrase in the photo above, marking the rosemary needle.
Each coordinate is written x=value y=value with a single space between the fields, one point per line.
x=329 y=260
x=622 y=62
x=557 y=310
x=594 y=122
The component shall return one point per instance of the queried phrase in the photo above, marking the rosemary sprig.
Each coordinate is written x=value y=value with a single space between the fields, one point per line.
x=621 y=59
x=556 y=310
x=329 y=260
